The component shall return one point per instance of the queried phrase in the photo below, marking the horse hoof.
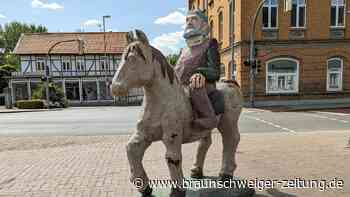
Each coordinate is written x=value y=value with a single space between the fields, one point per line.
x=225 y=177
x=147 y=192
x=177 y=193
x=197 y=173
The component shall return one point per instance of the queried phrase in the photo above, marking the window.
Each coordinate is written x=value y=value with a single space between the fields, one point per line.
x=66 y=65
x=282 y=76
x=270 y=13
x=335 y=74
x=221 y=26
x=222 y=70
x=80 y=65
x=337 y=13
x=298 y=13
x=233 y=71
x=40 y=65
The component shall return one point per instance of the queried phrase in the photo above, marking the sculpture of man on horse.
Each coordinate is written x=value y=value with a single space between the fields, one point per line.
x=178 y=104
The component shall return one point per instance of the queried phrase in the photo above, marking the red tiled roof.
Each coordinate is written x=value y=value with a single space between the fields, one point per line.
x=39 y=43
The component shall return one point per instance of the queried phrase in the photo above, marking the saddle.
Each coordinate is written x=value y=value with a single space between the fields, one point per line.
x=218 y=102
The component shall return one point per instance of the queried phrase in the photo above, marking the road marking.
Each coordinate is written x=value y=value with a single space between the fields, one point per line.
x=271 y=124
x=331 y=113
x=328 y=118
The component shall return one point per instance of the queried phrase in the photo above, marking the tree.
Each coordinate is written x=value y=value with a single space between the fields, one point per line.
x=9 y=35
x=11 y=63
x=11 y=32
x=172 y=59
x=5 y=71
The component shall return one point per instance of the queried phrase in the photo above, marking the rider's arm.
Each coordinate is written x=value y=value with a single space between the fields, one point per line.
x=211 y=71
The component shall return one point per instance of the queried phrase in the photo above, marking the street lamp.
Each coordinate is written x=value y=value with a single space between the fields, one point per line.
x=48 y=59
x=288 y=7
x=104 y=38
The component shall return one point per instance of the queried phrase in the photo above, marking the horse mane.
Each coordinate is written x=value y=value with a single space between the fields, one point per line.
x=166 y=68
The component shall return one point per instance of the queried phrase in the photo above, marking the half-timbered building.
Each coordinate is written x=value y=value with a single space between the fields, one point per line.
x=83 y=72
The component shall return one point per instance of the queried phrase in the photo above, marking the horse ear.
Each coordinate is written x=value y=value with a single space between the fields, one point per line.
x=141 y=36
x=130 y=37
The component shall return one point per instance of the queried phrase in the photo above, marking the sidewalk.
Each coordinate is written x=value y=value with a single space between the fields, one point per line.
x=97 y=166
x=15 y=110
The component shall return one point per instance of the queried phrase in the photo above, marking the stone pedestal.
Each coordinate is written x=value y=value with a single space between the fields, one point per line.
x=193 y=190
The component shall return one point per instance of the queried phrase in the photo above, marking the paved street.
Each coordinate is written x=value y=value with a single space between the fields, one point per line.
x=122 y=120
x=274 y=145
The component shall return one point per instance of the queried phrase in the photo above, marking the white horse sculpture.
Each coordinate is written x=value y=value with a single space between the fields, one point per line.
x=167 y=114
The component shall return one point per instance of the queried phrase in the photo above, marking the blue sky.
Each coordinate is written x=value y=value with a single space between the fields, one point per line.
x=162 y=20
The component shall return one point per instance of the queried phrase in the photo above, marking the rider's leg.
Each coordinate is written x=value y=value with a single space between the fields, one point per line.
x=201 y=104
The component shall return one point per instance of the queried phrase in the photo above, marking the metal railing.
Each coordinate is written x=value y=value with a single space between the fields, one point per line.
x=66 y=73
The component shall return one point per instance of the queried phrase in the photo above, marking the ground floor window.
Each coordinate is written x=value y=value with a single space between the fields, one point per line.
x=222 y=70
x=282 y=76
x=335 y=74
x=20 y=91
x=233 y=70
x=105 y=91
x=72 y=90
x=89 y=90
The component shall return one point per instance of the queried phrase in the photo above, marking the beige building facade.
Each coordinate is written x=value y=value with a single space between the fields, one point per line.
x=304 y=52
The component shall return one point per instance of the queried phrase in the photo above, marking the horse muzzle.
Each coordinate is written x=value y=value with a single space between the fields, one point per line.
x=118 y=89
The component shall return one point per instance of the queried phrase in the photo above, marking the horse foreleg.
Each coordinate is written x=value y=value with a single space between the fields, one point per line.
x=228 y=128
x=136 y=148
x=202 y=150
x=173 y=158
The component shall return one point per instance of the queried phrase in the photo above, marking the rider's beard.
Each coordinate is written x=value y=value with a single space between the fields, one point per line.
x=194 y=36
x=191 y=32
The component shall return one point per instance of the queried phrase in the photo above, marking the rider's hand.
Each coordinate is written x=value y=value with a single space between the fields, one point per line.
x=197 y=81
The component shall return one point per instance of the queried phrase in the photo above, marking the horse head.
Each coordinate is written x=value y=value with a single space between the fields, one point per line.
x=135 y=69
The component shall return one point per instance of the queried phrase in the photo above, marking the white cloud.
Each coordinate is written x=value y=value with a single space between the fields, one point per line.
x=2 y=16
x=183 y=9
x=174 y=18
x=91 y=23
x=169 y=43
x=46 y=5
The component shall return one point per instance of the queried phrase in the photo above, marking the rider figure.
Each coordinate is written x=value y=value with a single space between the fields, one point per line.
x=198 y=68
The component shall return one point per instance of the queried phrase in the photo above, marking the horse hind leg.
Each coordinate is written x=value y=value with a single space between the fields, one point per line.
x=202 y=150
x=136 y=148
x=228 y=128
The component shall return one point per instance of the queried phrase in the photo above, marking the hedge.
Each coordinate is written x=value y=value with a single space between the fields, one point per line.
x=30 y=104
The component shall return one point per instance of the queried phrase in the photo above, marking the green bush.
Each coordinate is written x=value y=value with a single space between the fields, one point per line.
x=56 y=95
x=30 y=104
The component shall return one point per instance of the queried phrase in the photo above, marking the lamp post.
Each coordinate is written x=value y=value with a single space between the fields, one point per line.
x=104 y=38
x=252 y=53
x=232 y=35
x=48 y=59
x=288 y=7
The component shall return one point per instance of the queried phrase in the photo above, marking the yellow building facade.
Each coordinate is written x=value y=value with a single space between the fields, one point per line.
x=304 y=52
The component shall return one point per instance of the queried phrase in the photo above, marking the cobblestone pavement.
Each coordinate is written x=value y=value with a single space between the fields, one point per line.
x=97 y=166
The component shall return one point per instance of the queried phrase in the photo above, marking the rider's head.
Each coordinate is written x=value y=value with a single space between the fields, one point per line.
x=197 y=27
